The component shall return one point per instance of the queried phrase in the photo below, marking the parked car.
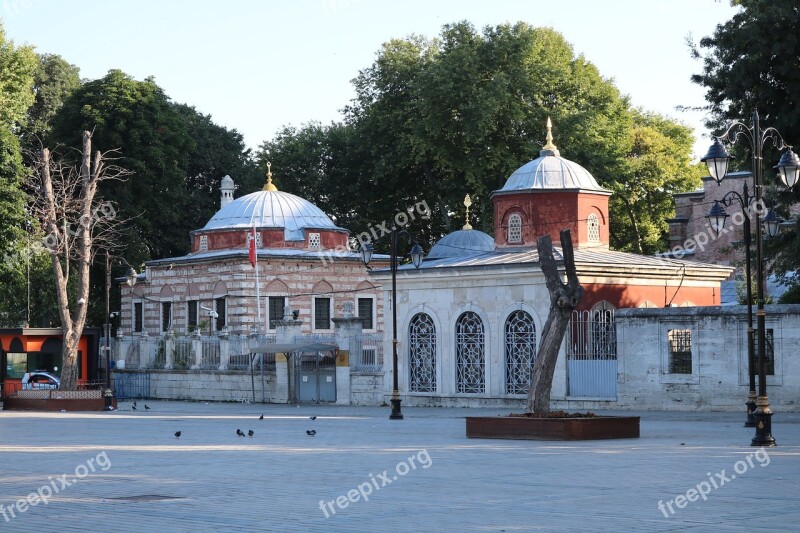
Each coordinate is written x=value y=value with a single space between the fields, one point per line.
x=40 y=380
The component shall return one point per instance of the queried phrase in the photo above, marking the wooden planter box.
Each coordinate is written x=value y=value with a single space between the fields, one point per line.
x=584 y=428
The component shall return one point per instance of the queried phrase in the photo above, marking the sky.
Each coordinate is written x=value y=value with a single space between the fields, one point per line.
x=256 y=66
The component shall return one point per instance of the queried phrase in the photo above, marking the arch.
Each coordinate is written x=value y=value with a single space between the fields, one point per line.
x=16 y=346
x=602 y=330
x=422 y=342
x=514 y=232
x=322 y=287
x=166 y=293
x=220 y=290
x=520 y=351
x=277 y=286
x=365 y=286
x=470 y=353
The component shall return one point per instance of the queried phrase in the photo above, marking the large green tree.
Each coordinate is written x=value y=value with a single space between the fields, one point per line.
x=434 y=119
x=750 y=64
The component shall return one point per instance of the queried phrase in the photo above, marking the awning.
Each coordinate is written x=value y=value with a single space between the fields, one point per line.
x=294 y=347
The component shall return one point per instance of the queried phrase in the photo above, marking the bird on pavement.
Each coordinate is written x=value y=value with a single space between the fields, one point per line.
x=177 y=434
x=250 y=433
x=312 y=417
x=133 y=407
x=240 y=432
x=134 y=403
x=146 y=408
x=311 y=432
x=261 y=417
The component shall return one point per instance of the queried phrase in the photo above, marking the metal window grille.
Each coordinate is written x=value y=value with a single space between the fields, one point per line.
x=367 y=352
x=192 y=314
x=422 y=354
x=322 y=313
x=515 y=228
x=593 y=227
x=166 y=316
x=365 y=312
x=520 y=351
x=313 y=240
x=203 y=243
x=277 y=305
x=221 y=318
x=769 y=340
x=680 y=351
x=470 y=354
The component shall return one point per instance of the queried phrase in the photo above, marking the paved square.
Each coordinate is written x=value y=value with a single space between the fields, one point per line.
x=369 y=473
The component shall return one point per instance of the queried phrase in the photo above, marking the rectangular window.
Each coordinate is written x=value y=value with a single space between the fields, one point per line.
x=365 y=312
x=680 y=351
x=221 y=320
x=322 y=313
x=770 y=349
x=166 y=316
x=191 y=320
x=16 y=365
x=137 y=317
x=277 y=305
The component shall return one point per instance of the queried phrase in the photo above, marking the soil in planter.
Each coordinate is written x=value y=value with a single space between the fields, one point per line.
x=553 y=414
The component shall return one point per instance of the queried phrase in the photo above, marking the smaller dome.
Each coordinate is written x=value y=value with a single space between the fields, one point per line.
x=551 y=172
x=462 y=243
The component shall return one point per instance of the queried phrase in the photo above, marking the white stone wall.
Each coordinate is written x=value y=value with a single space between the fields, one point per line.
x=719 y=379
x=209 y=386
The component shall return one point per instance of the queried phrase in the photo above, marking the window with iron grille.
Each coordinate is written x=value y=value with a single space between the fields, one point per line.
x=203 y=243
x=221 y=321
x=680 y=351
x=769 y=340
x=593 y=227
x=313 y=240
x=277 y=306
x=520 y=351
x=322 y=313
x=191 y=320
x=365 y=312
x=166 y=316
x=422 y=354
x=470 y=354
x=515 y=228
x=137 y=317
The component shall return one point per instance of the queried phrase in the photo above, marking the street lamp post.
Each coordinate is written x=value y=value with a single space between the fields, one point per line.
x=717 y=160
x=130 y=279
x=416 y=259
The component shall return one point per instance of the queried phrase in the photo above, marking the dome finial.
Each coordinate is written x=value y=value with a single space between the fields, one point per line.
x=467 y=203
x=549 y=146
x=269 y=186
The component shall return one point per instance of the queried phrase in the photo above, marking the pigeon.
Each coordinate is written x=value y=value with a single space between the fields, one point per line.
x=177 y=434
x=134 y=403
x=312 y=417
x=311 y=432
x=146 y=408
x=261 y=417
x=133 y=407
x=250 y=433
x=240 y=432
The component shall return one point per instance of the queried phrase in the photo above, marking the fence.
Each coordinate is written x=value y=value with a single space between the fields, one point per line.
x=209 y=355
x=132 y=386
x=183 y=356
x=367 y=353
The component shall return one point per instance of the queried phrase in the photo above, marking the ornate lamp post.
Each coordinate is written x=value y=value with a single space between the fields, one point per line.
x=717 y=160
x=130 y=278
x=416 y=259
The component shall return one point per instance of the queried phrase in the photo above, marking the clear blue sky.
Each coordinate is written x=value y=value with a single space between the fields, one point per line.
x=258 y=65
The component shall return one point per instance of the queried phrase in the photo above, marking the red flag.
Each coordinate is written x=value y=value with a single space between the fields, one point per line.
x=253 y=248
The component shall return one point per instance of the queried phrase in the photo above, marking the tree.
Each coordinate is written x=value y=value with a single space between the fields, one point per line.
x=17 y=65
x=564 y=298
x=78 y=223
x=749 y=64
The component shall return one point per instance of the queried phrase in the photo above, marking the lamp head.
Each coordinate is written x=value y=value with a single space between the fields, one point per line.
x=416 y=255
x=717 y=160
x=772 y=224
x=366 y=252
x=789 y=168
x=716 y=217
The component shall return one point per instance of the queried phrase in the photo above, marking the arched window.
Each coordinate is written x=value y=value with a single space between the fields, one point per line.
x=470 y=354
x=593 y=228
x=602 y=331
x=520 y=351
x=422 y=354
x=515 y=228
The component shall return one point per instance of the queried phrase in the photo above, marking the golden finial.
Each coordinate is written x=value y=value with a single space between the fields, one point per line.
x=269 y=186
x=467 y=203
x=549 y=144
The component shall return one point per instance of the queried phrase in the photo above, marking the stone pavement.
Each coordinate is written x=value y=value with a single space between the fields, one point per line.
x=136 y=476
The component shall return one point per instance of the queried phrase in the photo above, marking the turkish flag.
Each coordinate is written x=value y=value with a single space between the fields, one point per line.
x=253 y=248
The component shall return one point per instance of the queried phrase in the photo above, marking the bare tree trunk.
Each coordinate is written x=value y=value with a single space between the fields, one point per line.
x=564 y=297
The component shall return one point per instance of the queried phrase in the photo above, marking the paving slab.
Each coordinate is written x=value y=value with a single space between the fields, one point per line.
x=126 y=471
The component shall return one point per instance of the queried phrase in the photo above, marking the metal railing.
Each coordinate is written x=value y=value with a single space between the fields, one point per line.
x=209 y=354
x=367 y=353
